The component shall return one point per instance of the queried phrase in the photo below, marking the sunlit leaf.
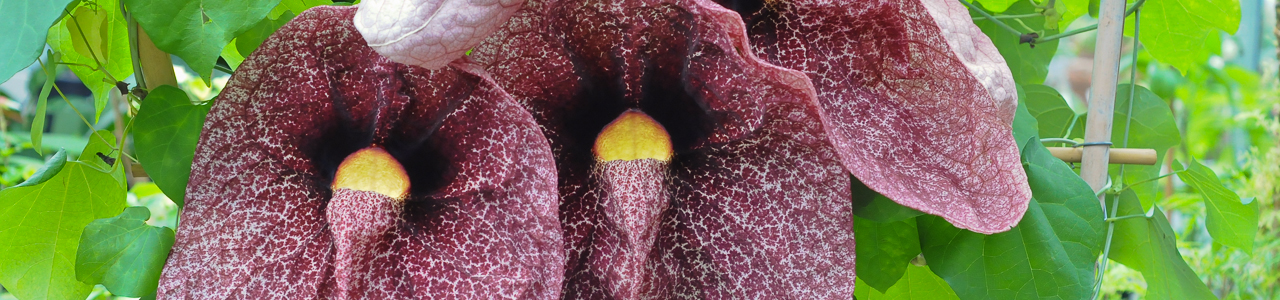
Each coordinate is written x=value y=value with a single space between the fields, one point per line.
x=919 y=283
x=1067 y=11
x=1152 y=126
x=1050 y=254
x=167 y=129
x=96 y=32
x=870 y=205
x=43 y=223
x=295 y=6
x=1230 y=222
x=997 y=6
x=1029 y=65
x=196 y=31
x=1025 y=125
x=232 y=56
x=123 y=253
x=1182 y=33
x=25 y=23
x=884 y=250
x=1149 y=246
x=1049 y=108
x=251 y=39
x=48 y=170
x=42 y=102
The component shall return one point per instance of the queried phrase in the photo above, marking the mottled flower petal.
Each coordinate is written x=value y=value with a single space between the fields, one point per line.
x=480 y=219
x=918 y=101
x=430 y=33
x=759 y=201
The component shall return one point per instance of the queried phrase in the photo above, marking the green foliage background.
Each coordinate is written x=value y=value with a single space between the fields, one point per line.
x=1201 y=224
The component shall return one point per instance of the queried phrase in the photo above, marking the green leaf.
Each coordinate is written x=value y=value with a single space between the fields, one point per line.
x=123 y=253
x=1182 y=32
x=1050 y=254
x=997 y=6
x=295 y=6
x=1230 y=221
x=884 y=250
x=1029 y=65
x=25 y=23
x=1153 y=126
x=197 y=30
x=43 y=223
x=1149 y=246
x=249 y=41
x=871 y=205
x=50 y=168
x=920 y=284
x=232 y=56
x=42 y=103
x=1067 y=12
x=167 y=129
x=1025 y=126
x=1048 y=107
x=145 y=189
x=95 y=29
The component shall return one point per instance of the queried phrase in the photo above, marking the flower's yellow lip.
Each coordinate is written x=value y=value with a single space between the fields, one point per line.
x=372 y=169
x=633 y=135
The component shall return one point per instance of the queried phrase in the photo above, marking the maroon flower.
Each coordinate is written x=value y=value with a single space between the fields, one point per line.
x=262 y=221
x=697 y=155
x=908 y=96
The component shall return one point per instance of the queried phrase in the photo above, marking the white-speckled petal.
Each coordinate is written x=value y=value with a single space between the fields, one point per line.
x=430 y=33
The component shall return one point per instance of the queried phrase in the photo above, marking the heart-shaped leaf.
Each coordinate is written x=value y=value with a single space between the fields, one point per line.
x=123 y=253
x=919 y=283
x=1049 y=254
x=1149 y=246
x=197 y=30
x=168 y=127
x=25 y=24
x=43 y=223
x=1028 y=64
x=94 y=41
x=1230 y=221
x=884 y=250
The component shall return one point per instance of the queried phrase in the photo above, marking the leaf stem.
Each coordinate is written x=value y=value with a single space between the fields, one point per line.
x=80 y=30
x=991 y=18
x=132 y=28
x=1113 y=219
x=1131 y=10
x=82 y=118
x=1115 y=202
x=1152 y=179
x=1002 y=17
x=91 y=68
x=1060 y=140
x=223 y=69
x=1072 y=126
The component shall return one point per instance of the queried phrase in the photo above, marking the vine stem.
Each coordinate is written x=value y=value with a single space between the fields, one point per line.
x=1132 y=9
x=1002 y=17
x=993 y=19
x=223 y=69
x=1114 y=219
x=1115 y=201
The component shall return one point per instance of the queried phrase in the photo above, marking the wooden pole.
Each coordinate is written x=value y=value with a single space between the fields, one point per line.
x=1132 y=156
x=1102 y=94
x=157 y=68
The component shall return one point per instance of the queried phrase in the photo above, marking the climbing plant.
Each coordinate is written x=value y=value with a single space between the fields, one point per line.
x=100 y=218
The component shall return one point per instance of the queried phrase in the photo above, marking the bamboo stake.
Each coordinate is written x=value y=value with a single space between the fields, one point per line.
x=1131 y=156
x=1102 y=95
x=157 y=68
